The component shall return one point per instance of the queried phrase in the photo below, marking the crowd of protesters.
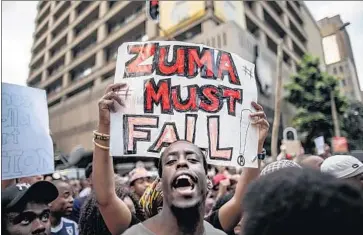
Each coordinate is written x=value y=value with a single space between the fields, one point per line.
x=306 y=195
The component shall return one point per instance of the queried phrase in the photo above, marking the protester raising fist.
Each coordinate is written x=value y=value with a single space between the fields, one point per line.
x=117 y=215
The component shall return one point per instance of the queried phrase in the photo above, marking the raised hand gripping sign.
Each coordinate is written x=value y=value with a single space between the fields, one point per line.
x=183 y=91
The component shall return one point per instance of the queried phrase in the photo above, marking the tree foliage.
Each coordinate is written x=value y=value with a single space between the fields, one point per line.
x=309 y=91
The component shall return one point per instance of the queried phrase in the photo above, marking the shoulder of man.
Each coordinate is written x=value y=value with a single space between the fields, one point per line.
x=138 y=229
x=70 y=226
x=210 y=230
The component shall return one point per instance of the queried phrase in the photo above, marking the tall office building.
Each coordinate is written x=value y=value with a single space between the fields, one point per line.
x=338 y=55
x=75 y=48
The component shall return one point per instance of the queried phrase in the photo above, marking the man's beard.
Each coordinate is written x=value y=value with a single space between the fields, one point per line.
x=187 y=218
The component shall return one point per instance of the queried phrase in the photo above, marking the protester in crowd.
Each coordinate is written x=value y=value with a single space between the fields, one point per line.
x=78 y=202
x=25 y=208
x=327 y=152
x=312 y=161
x=30 y=180
x=24 y=180
x=86 y=184
x=139 y=181
x=48 y=178
x=278 y=165
x=184 y=184
x=115 y=212
x=91 y=221
x=222 y=184
x=76 y=186
x=152 y=199
x=60 y=208
x=219 y=203
x=209 y=203
x=301 y=202
x=7 y=183
x=344 y=167
x=283 y=155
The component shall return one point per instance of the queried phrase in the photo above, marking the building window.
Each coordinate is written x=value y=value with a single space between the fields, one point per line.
x=343 y=82
x=224 y=39
x=79 y=90
x=108 y=76
x=55 y=87
x=286 y=58
x=36 y=81
x=81 y=74
x=271 y=45
x=341 y=68
x=335 y=70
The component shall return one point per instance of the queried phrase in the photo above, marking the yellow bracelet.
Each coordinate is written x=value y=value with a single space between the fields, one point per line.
x=101 y=134
x=100 y=145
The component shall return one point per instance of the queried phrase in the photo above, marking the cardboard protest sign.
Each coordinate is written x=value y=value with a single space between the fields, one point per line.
x=320 y=145
x=27 y=148
x=340 y=144
x=183 y=91
x=292 y=147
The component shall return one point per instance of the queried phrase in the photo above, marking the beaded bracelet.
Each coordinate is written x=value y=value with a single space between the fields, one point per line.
x=100 y=136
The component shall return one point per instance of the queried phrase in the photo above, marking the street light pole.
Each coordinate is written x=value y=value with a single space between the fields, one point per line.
x=334 y=112
x=278 y=100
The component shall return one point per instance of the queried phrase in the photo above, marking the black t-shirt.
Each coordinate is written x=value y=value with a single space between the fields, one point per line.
x=134 y=220
x=213 y=219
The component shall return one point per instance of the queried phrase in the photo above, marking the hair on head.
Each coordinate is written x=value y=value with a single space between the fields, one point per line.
x=91 y=221
x=160 y=167
x=300 y=202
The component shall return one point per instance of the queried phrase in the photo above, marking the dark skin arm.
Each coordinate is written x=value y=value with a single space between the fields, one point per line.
x=231 y=213
x=115 y=212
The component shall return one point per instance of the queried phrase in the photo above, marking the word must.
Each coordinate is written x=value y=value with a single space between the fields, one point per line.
x=208 y=98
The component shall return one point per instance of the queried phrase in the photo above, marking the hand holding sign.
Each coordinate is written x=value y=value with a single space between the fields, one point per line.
x=108 y=103
x=261 y=123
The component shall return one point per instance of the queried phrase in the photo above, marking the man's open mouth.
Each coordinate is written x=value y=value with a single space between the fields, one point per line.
x=184 y=182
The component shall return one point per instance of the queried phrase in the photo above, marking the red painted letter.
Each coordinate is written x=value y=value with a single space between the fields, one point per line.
x=217 y=153
x=154 y=94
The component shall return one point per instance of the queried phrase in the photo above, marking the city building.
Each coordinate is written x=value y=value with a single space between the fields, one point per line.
x=75 y=47
x=338 y=55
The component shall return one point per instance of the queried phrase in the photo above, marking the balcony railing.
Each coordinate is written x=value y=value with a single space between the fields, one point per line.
x=78 y=76
x=59 y=49
x=84 y=50
x=81 y=30
x=56 y=70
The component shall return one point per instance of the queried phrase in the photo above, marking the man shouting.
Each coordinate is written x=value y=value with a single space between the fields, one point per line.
x=183 y=205
x=183 y=174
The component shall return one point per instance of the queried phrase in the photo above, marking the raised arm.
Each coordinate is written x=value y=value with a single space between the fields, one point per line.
x=230 y=213
x=114 y=211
